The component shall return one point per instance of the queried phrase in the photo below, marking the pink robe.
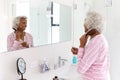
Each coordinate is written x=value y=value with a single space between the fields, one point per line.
x=13 y=44
x=93 y=60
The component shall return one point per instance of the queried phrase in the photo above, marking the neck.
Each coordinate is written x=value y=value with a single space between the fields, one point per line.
x=20 y=30
x=92 y=36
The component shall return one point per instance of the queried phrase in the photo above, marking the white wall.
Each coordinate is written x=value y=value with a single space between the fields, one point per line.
x=3 y=24
x=113 y=36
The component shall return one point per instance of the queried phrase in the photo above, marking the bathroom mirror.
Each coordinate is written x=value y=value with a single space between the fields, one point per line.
x=48 y=22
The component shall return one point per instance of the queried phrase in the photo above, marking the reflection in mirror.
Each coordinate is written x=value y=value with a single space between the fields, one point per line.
x=50 y=22
x=47 y=22
x=61 y=22
x=40 y=23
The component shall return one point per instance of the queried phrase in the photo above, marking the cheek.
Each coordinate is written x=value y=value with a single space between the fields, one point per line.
x=23 y=25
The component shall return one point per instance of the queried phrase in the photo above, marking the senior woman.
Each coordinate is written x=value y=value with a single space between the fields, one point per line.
x=93 y=57
x=19 y=39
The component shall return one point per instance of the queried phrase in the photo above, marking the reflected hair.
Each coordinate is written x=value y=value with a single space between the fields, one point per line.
x=16 y=21
x=94 y=20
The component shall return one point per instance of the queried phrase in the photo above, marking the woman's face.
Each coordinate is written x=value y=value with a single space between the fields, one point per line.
x=22 y=24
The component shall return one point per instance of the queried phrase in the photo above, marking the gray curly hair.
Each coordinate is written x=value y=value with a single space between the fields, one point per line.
x=94 y=20
x=16 y=21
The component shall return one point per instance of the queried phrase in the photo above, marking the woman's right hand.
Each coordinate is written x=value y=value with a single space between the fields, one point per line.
x=74 y=50
x=83 y=40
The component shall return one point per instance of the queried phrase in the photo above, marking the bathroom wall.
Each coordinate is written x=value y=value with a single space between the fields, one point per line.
x=3 y=23
x=113 y=36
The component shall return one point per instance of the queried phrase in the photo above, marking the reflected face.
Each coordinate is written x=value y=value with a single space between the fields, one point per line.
x=22 y=24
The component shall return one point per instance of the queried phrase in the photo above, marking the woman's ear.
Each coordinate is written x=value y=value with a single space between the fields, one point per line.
x=91 y=32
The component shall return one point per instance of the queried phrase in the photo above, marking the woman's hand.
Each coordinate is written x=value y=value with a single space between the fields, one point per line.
x=24 y=44
x=83 y=40
x=74 y=50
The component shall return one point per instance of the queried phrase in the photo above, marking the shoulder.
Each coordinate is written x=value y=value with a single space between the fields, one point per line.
x=11 y=34
x=102 y=40
x=99 y=39
x=28 y=34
